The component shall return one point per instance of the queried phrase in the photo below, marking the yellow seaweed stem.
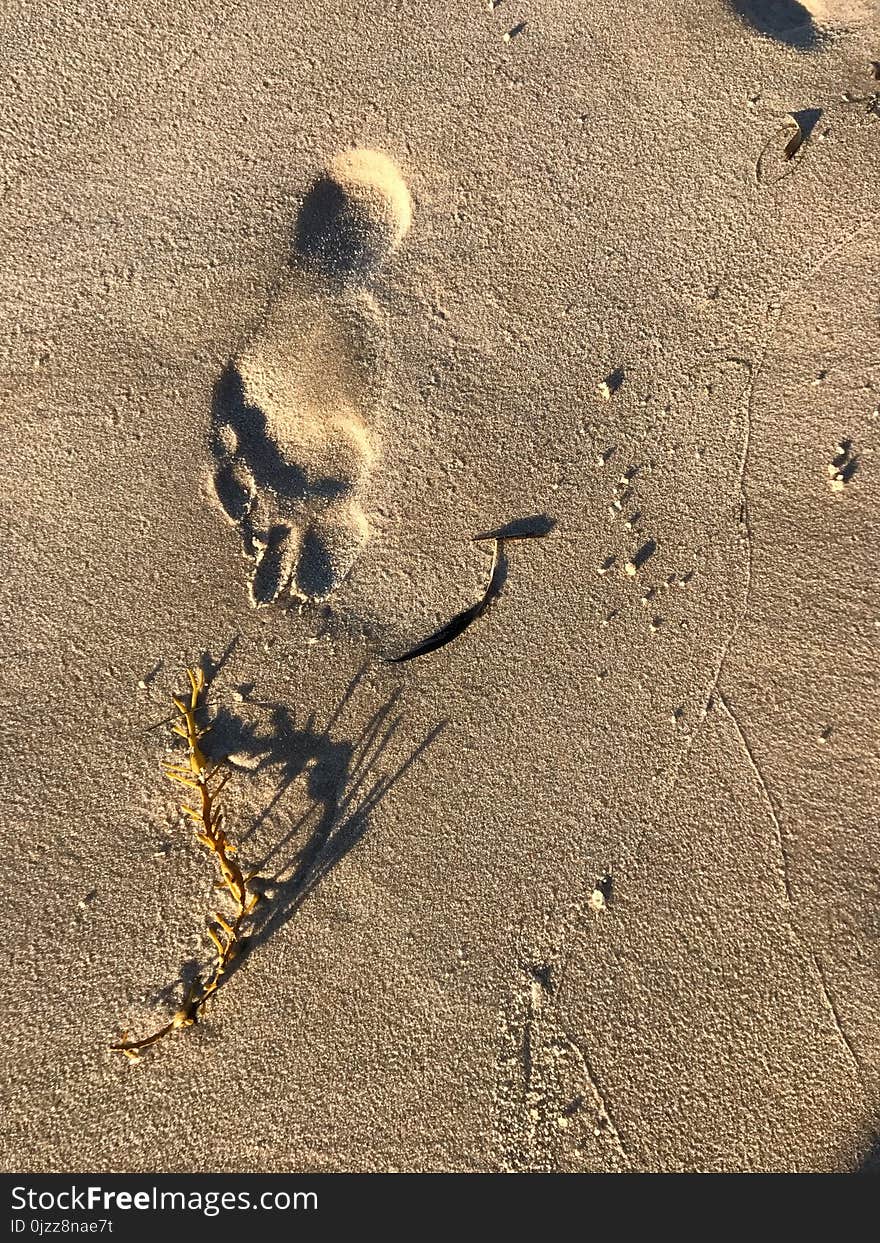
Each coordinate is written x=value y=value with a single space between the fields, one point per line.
x=196 y=773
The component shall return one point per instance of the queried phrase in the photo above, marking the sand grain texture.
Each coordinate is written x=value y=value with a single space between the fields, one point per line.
x=435 y=988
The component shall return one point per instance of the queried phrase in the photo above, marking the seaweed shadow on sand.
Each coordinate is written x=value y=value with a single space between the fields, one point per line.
x=344 y=787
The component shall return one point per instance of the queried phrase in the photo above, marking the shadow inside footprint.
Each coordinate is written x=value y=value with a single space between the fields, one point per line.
x=353 y=216
x=317 y=572
x=334 y=234
x=274 y=564
x=786 y=20
x=241 y=434
x=309 y=533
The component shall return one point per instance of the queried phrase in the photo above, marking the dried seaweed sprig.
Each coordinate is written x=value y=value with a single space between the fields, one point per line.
x=197 y=773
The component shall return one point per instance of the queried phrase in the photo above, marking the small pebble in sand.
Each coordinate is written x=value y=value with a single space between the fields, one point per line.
x=656 y=623
x=824 y=734
x=244 y=759
x=639 y=558
x=514 y=32
x=610 y=385
x=606 y=565
x=601 y=895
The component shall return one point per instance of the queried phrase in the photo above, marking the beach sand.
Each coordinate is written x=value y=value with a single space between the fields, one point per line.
x=296 y=303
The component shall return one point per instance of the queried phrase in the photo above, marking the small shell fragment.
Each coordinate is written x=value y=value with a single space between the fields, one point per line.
x=601 y=896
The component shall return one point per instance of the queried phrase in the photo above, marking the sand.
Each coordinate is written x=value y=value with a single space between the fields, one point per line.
x=595 y=886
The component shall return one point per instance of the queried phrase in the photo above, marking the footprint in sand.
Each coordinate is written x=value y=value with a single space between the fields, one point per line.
x=293 y=430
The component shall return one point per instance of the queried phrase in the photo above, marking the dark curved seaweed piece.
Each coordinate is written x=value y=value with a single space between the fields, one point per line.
x=460 y=622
